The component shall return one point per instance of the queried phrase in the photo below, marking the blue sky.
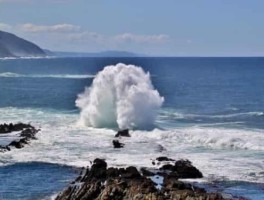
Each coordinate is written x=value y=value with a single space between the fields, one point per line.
x=166 y=28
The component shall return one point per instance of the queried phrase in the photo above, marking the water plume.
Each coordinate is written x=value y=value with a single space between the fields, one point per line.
x=120 y=96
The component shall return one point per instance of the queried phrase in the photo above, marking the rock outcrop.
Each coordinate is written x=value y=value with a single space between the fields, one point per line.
x=102 y=183
x=25 y=133
x=117 y=144
x=123 y=133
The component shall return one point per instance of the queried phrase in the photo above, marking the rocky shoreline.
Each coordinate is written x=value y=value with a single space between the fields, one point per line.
x=106 y=183
x=23 y=133
x=161 y=182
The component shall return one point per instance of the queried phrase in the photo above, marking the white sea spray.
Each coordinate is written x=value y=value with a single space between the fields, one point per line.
x=120 y=96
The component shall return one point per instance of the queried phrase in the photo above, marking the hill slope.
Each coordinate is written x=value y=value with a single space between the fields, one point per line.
x=13 y=46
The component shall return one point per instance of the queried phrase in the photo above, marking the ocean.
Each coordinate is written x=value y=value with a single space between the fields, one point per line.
x=208 y=110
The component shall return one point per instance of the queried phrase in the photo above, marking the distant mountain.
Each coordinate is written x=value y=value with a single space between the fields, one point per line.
x=98 y=54
x=13 y=46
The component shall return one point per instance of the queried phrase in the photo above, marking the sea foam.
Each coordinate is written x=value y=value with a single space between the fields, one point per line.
x=59 y=76
x=120 y=96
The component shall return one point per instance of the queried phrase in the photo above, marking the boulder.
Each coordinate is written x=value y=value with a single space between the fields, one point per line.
x=185 y=169
x=181 y=169
x=117 y=144
x=123 y=133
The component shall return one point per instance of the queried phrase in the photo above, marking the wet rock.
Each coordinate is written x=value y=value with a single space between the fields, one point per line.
x=167 y=167
x=8 y=128
x=4 y=148
x=123 y=133
x=128 y=184
x=164 y=158
x=183 y=169
x=16 y=144
x=118 y=144
x=98 y=169
x=27 y=132
x=112 y=172
x=99 y=163
x=131 y=173
x=146 y=172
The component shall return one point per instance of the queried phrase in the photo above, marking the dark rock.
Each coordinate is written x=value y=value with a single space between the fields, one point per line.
x=118 y=144
x=98 y=169
x=99 y=163
x=126 y=184
x=146 y=172
x=24 y=140
x=8 y=148
x=8 y=128
x=131 y=172
x=27 y=133
x=167 y=167
x=185 y=169
x=4 y=148
x=112 y=172
x=163 y=158
x=16 y=144
x=123 y=133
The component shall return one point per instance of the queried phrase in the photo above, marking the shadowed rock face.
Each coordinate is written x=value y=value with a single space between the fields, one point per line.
x=102 y=183
x=13 y=46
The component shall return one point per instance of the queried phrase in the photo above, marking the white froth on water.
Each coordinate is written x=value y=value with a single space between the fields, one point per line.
x=59 y=76
x=220 y=153
x=120 y=96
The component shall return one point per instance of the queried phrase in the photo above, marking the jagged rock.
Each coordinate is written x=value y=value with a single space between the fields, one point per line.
x=27 y=132
x=8 y=128
x=98 y=169
x=183 y=169
x=131 y=173
x=112 y=172
x=128 y=184
x=118 y=144
x=123 y=133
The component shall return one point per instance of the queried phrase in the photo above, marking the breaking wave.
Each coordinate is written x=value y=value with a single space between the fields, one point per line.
x=120 y=96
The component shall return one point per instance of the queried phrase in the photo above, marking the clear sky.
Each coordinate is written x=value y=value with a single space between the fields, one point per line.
x=155 y=27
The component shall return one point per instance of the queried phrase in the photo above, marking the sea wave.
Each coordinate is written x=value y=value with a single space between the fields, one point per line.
x=177 y=115
x=68 y=76
x=215 y=150
x=27 y=58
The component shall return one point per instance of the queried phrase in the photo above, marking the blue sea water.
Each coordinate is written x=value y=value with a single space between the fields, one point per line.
x=213 y=114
